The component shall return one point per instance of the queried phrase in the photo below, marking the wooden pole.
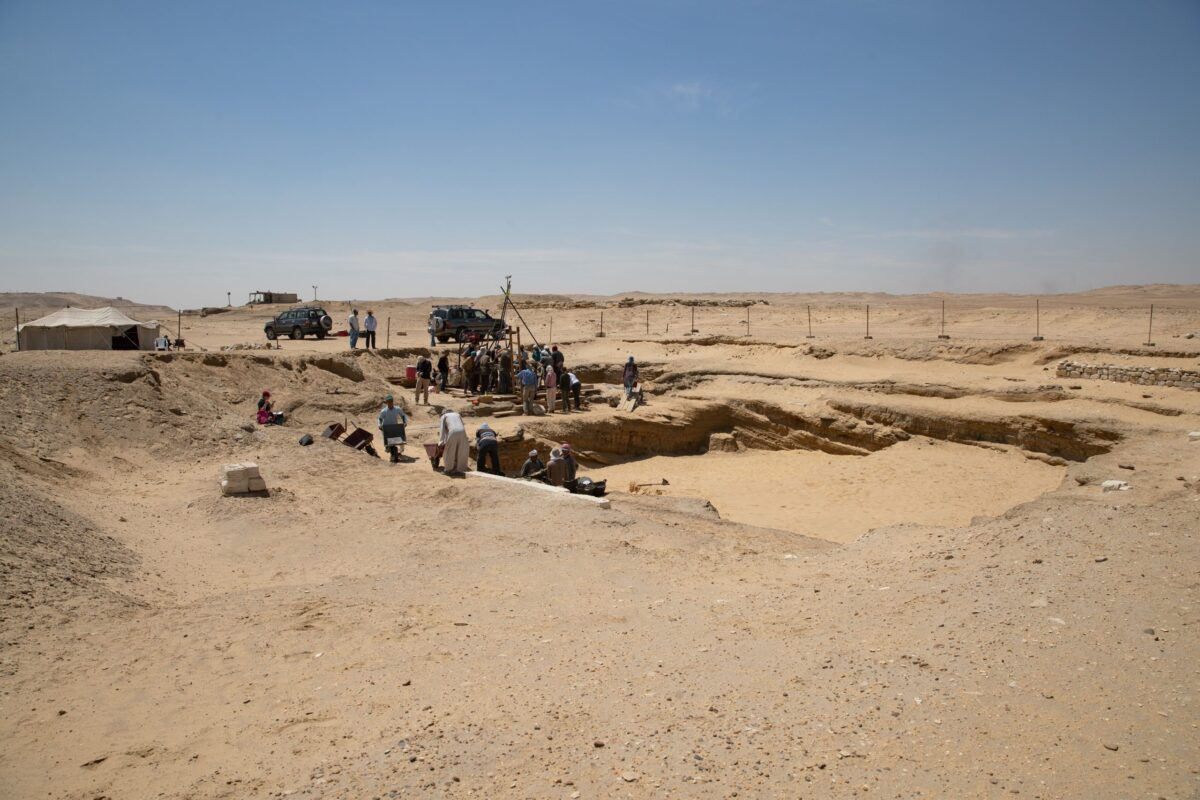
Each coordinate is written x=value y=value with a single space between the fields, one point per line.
x=1150 y=332
x=647 y=322
x=943 y=335
x=550 y=338
x=601 y=335
x=17 y=311
x=694 y=320
x=179 y=325
x=1037 y=310
x=388 y=341
x=810 y=333
x=868 y=336
x=747 y=320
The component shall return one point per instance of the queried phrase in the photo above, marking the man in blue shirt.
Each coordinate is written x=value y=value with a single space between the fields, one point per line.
x=392 y=416
x=529 y=381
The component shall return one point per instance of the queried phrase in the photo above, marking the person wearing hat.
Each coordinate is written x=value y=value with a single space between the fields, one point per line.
x=556 y=470
x=452 y=436
x=488 y=449
x=572 y=466
x=533 y=465
x=266 y=414
x=394 y=415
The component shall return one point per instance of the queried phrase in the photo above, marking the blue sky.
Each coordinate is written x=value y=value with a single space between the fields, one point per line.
x=170 y=152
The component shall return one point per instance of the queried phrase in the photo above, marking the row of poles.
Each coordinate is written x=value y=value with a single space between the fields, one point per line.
x=1037 y=335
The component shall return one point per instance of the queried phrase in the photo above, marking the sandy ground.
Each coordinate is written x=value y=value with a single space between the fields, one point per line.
x=841 y=497
x=968 y=616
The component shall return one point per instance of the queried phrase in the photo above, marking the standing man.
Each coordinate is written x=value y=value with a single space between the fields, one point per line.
x=557 y=359
x=452 y=436
x=629 y=376
x=352 y=324
x=369 y=325
x=551 y=389
x=506 y=364
x=443 y=366
x=468 y=372
x=424 y=378
x=392 y=416
x=488 y=447
x=484 y=364
x=571 y=387
x=569 y=460
x=528 y=380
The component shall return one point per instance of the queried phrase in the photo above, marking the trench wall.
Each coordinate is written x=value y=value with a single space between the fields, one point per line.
x=1188 y=379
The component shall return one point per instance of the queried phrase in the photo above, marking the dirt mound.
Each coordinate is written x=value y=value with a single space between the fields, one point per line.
x=52 y=560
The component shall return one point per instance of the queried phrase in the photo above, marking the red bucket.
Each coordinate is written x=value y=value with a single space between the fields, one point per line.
x=410 y=372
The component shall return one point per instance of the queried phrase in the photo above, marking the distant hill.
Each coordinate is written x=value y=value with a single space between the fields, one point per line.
x=38 y=304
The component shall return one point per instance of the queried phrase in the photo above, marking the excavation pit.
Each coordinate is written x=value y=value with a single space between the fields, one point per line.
x=834 y=469
x=839 y=498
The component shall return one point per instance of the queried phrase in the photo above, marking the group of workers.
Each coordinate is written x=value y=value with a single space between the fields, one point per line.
x=455 y=451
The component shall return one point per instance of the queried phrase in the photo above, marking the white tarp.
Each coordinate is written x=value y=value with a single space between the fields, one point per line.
x=87 y=329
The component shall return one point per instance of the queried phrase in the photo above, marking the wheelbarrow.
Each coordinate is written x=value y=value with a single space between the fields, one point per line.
x=434 y=451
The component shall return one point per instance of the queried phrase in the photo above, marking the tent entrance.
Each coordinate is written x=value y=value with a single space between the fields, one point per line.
x=126 y=339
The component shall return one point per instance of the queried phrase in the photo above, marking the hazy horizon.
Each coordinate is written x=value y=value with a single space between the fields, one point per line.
x=171 y=153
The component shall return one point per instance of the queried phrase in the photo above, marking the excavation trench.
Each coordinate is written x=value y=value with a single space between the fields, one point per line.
x=834 y=469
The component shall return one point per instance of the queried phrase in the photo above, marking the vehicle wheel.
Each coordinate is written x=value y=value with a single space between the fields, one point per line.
x=271 y=334
x=443 y=339
x=297 y=333
x=460 y=335
x=327 y=322
x=321 y=334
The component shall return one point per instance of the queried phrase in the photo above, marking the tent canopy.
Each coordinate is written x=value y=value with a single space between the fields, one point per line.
x=87 y=329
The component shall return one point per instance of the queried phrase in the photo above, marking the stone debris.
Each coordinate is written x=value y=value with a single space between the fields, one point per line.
x=1114 y=486
x=241 y=479
x=1194 y=436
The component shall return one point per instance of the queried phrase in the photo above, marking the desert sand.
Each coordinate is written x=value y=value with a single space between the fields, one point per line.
x=898 y=575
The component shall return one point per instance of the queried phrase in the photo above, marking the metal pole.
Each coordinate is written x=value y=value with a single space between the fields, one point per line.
x=17 y=311
x=943 y=335
x=868 y=336
x=810 y=335
x=601 y=336
x=179 y=325
x=388 y=341
x=1037 y=306
x=747 y=320
x=550 y=338
x=647 y=322
x=1150 y=332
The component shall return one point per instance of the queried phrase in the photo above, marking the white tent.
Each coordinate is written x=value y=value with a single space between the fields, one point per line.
x=87 y=329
